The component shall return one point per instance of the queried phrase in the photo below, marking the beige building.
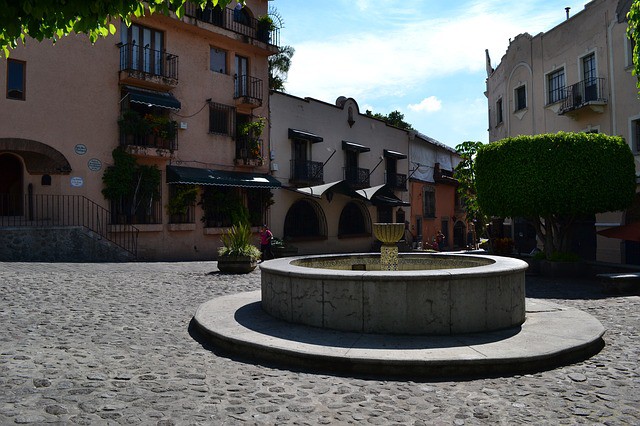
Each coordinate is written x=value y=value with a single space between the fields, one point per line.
x=342 y=170
x=576 y=77
x=177 y=94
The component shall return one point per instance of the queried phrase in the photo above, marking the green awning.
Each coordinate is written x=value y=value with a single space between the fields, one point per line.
x=307 y=136
x=197 y=176
x=352 y=146
x=152 y=97
x=382 y=195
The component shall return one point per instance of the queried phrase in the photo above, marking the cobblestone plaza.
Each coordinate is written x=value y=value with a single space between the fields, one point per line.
x=110 y=344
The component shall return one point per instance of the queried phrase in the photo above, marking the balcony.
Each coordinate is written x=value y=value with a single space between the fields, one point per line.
x=247 y=91
x=238 y=22
x=306 y=173
x=249 y=151
x=585 y=94
x=148 y=135
x=155 y=68
x=356 y=177
x=397 y=181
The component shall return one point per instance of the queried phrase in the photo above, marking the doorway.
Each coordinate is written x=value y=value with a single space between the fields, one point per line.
x=11 y=176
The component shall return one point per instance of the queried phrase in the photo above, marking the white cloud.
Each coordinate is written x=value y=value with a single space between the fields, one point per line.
x=430 y=104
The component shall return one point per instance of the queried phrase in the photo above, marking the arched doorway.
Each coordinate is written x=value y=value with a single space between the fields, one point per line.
x=632 y=248
x=11 y=175
x=354 y=220
x=305 y=220
x=459 y=235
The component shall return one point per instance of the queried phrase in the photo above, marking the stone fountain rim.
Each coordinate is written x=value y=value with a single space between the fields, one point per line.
x=499 y=265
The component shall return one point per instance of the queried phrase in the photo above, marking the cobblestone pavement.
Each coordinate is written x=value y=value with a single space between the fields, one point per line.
x=110 y=344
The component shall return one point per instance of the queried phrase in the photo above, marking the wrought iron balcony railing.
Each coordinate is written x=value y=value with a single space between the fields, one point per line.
x=397 y=181
x=148 y=132
x=357 y=177
x=236 y=21
x=46 y=210
x=147 y=62
x=248 y=89
x=586 y=92
x=306 y=172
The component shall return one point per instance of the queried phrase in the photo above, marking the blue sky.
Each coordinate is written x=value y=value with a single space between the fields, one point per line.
x=424 y=58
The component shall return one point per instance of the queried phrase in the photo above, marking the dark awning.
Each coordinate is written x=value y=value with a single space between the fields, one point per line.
x=339 y=187
x=300 y=134
x=196 y=176
x=629 y=232
x=393 y=154
x=382 y=195
x=355 y=146
x=152 y=97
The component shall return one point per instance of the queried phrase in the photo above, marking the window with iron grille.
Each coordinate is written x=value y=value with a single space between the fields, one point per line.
x=221 y=119
x=555 y=84
x=635 y=134
x=521 y=98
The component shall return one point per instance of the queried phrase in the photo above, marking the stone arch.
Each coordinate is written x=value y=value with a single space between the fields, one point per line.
x=354 y=220
x=305 y=219
x=39 y=158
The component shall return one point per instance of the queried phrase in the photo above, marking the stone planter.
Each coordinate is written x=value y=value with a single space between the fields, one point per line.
x=236 y=264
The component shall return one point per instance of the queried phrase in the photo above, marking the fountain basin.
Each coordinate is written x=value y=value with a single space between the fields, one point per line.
x=437 y=294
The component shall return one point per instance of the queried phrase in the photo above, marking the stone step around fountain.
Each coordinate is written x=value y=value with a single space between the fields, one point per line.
x=552 y=335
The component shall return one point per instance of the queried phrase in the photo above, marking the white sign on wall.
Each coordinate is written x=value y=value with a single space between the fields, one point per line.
x=77 y=181
x=94 y=164
x=80 y=149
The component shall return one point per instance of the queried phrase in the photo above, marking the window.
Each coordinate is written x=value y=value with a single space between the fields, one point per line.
x=555 y=86
x=630 y=43
x=499 y=118
x=221 y=119
x=218 y=61
x=521 y=98
x=635 y=135
x=145 y=48
x=16 y=76
x=429 y=201
x=590 y=77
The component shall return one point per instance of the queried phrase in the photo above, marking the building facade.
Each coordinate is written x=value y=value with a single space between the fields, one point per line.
x=341 y=171
x=576 y=77
x=186 y=99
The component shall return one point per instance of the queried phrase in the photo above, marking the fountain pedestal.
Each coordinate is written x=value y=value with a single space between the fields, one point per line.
x=389 y=234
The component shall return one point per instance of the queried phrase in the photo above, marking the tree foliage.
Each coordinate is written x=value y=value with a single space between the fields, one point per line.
x=394 y=118
x=551 y=179
x=53 y=19
x=465 y=174
x=279 y=65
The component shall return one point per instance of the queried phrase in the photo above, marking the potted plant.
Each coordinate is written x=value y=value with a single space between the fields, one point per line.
x=237 y=255
x=264 y=27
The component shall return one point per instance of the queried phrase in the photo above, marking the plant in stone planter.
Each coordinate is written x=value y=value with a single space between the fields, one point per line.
x=264 y=27
x=238 y=255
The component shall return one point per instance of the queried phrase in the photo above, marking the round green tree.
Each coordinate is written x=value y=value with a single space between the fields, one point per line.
x=551 y=179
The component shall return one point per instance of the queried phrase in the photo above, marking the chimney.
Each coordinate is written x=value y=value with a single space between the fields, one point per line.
x=567 y=9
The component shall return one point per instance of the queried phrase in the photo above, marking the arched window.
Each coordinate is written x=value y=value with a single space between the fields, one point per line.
x=305 y=219
x=353 y=220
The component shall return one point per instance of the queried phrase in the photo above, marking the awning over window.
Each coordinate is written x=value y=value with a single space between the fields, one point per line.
x=300 y=134
x=381 y=195
x=355 y=146
x=339 y=187
x=196 y=176
x=393 y=154
x=152 y=97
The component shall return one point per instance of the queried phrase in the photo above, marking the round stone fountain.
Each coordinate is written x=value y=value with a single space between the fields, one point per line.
x=411 y=313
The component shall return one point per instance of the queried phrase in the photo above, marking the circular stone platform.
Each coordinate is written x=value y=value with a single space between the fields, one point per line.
x=551 y=335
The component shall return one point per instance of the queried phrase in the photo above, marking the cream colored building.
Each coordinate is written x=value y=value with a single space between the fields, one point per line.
x=174 y=93
x=575 y=77
x=342 y=170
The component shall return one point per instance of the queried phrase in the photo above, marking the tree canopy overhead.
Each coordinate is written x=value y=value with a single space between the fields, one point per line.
x=553 y=178
x=394 y=118
x=53 y=19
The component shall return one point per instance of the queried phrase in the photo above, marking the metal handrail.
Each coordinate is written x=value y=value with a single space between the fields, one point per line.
x=583 y=93
x=248 y=87
x=44 y=210
x=306 y=171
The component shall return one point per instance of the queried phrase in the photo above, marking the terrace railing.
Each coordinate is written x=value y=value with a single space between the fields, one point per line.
x=43 y=210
